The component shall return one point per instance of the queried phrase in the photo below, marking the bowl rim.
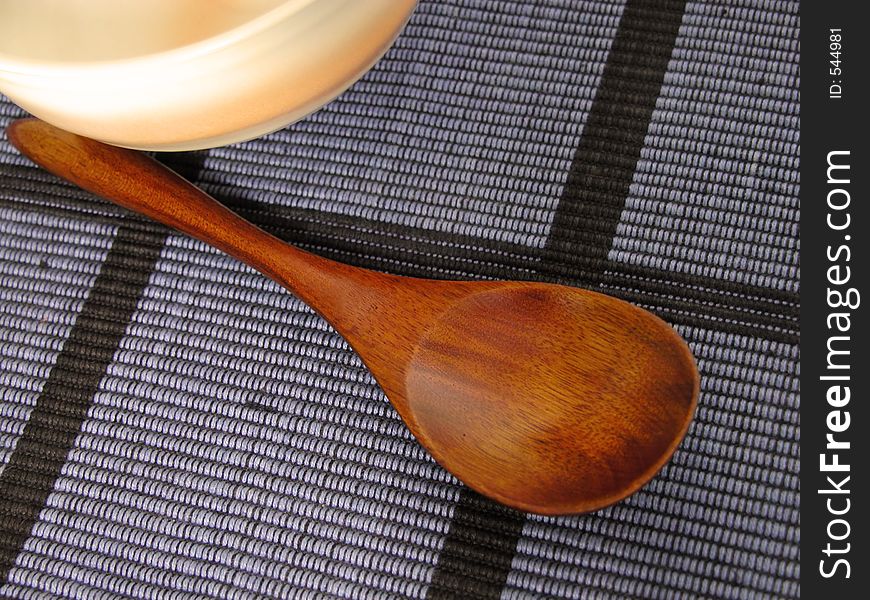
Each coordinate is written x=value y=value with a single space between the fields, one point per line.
x=14 y=64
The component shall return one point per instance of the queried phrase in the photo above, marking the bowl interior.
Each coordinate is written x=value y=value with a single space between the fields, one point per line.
x=60 y=31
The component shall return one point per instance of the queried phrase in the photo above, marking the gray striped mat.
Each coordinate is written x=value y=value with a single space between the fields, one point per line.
x=173 y=424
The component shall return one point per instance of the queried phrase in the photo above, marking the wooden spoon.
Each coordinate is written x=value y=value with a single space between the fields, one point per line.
x=547 y=398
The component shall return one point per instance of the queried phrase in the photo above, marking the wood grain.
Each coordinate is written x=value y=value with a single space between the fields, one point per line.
x=547 y=398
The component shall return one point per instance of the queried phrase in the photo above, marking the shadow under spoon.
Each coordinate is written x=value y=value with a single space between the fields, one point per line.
x=547 y=398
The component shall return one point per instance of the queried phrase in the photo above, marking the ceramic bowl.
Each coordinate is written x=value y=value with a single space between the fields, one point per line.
x=187 y=74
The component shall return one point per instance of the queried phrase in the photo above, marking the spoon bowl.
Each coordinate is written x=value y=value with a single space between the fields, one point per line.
x=550 y=399
x=547 y=398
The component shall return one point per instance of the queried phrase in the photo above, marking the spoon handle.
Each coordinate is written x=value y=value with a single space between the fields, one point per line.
x=139 y=183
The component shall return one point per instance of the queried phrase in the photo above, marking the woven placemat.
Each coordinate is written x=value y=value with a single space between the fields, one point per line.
x=173 y=424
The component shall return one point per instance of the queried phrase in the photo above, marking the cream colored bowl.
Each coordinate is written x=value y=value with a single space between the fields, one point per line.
x=187 y=74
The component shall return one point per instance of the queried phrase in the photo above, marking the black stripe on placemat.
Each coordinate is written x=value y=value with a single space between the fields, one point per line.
x=55 y=422
x=477 y=553
x=606 y=158
x=680 y=298
x=476 y=560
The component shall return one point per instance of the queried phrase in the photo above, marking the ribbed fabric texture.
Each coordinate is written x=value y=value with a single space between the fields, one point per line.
x=172 y=424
